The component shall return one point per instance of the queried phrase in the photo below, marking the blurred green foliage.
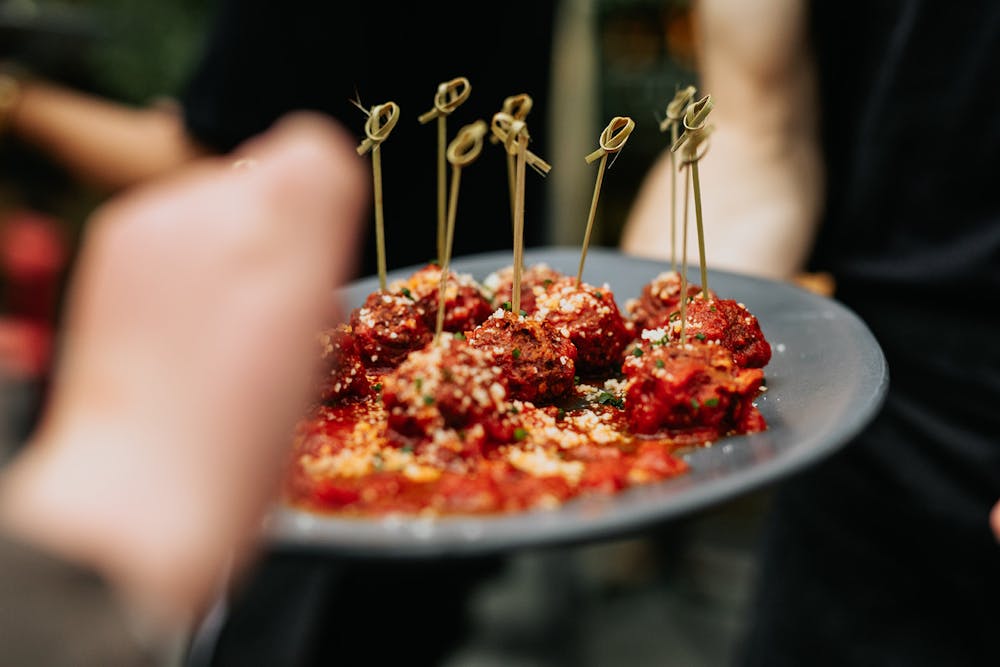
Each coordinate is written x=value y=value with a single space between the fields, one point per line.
x=147 y=47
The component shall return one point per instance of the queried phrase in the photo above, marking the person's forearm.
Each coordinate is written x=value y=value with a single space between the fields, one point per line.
x=103 y=143
x=761 y=179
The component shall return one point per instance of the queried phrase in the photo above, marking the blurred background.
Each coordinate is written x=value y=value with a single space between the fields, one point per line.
x=674 y=595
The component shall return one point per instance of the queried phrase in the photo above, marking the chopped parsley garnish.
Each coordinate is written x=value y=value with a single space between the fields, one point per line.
x=659 y=363
x=599 y=295
x=428 y=399
x=520 y=434
x=516 y=353
x=459 y=335
x=514 y=410
x=406 y=292
x=406 y=449
x=606 y=398
x=700 y=336
x=637 y=352
x=547 y=282
x=418 y=383
x=711 y=402
x=377 y=461
x=377 y=387
x=523 y=312
x=560 y=414
x=576 y=379
x=507 y=305
x=695 y=404
x=447 y=375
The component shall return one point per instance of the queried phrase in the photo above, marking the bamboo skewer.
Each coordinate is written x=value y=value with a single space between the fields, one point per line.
x=693 y=141
x=381 y=119
x=465 y=148
x=675 y=111
x=612 y=140
x=517 y=107
x=514 y=135
x=449 y=96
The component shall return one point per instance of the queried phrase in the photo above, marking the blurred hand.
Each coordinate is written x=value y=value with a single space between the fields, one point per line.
x=188 y=352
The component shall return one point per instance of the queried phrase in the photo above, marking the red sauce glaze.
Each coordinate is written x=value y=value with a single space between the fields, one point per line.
x=342 y=374
x=387 y=328
x=732 y=325
x=466 y=304
x=660 y=298
x=538 y=362
x=698 y=388
x=447 y=385
x=591 y=318
x=535 y=281
x=489 y=484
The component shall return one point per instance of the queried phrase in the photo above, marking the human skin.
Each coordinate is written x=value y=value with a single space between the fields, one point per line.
x=187 y=354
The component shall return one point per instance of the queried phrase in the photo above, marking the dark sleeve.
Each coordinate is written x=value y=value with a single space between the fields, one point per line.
x=263 y=59
x=56 y=613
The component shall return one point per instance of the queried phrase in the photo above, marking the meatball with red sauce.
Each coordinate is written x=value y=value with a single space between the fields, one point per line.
x=387 y=328
x=729 y=324
x=695 y=389
x=466 y=303
x=535 y=281
x=591 y=319
x=538 y=361
x=449 y=384
x=660 y=298
x=342 y=374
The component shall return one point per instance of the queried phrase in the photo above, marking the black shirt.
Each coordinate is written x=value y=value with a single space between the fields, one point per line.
x=911 y=231
x=883 y=554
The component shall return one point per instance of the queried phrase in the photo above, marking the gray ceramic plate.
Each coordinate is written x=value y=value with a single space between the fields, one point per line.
x=826 y=380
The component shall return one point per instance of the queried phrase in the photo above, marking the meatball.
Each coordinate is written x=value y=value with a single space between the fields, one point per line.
x=729 y=324
x=591 y=319
x=659 y=299
x=538 y=361
x=535 y=281
x=695 y=388
x=387 y=328
x=449 y=384
x=466 y=303
x=343 y=374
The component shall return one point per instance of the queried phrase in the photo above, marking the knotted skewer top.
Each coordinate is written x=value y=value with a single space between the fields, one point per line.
x=694 y=121
x=676 y=107
x=449 y=96
x=613 y=137
x=381 y=119
x=513 y=133
x=517 y=107
x=467 y=144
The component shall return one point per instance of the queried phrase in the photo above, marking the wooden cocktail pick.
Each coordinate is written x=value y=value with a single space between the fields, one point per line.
x=517 y=107
x=675 y=111
x=693 y=142
x=612 y=140
x=463 y=149
x=449 y=96
x=381 y=119
x=514 y=135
